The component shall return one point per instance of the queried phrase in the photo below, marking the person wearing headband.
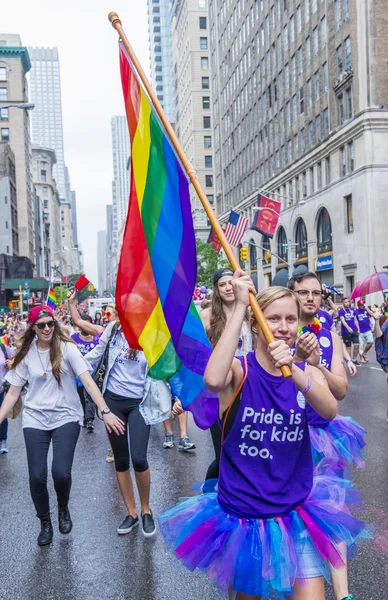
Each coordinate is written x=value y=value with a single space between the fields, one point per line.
x=49 y=362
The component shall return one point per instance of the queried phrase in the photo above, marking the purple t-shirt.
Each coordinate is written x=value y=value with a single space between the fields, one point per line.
x=350 y=318
x=325 y=318
x=266 y=465
x=363 y=320
x=85 y=346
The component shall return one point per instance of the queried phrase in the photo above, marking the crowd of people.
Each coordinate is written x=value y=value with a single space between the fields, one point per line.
x=275 y=509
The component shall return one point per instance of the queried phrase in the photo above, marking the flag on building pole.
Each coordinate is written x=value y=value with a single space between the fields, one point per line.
x=235 y=228
x=266 y=219
x=158 y=269
x=51 y=299
x=214 y=241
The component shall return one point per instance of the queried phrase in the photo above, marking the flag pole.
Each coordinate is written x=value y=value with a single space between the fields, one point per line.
x=116 y=24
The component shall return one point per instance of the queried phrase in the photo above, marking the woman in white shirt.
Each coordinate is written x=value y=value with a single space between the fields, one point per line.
x=49 y=362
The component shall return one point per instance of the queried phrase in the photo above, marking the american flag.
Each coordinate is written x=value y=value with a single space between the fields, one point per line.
x=235 y=228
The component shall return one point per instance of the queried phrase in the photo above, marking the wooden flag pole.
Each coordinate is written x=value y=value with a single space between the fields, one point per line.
x=116 y=23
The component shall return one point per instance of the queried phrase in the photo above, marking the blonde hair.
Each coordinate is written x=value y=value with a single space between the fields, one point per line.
x=270 y=295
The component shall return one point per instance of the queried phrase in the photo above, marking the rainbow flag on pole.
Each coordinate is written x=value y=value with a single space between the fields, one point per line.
x=158 y=268
x=51 y=299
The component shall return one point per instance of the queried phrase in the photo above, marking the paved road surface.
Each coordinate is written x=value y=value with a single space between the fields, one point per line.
x=94 y=563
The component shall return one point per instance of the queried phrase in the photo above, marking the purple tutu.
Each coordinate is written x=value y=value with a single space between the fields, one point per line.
x=341 y=443
x=262 y=557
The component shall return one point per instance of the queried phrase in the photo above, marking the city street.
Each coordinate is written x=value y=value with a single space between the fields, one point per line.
x=94 y=563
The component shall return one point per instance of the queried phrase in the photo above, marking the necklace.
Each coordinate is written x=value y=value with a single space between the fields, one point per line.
x=45 y=370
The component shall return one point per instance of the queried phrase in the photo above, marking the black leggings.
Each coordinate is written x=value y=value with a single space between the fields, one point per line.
x=38 y=441
x=213 y=471
x=127 y=409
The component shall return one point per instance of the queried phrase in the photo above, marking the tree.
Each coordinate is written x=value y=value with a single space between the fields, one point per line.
x=208 y=262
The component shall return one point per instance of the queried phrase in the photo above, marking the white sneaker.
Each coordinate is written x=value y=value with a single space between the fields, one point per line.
x=3 y=446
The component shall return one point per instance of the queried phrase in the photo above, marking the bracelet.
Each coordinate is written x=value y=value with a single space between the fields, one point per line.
x=308 y=386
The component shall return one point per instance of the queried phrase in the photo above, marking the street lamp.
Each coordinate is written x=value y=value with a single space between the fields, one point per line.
x=22 y=105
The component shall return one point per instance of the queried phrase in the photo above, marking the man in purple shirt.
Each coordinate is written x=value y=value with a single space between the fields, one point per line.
x=350 y=329
x=363 y=315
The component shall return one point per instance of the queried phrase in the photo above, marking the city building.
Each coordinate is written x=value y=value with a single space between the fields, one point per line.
x=101 y=262
x=120 y=185
x=160 y=41
x=300 y=97
x=43 y=161
x=15 y=130
x=9 y=238
x=193 y=99
x=111 y=274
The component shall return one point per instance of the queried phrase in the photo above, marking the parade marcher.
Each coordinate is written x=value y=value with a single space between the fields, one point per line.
x=381 y=343
x=97 y=319
x=49 y=362
x=271 y=527
x=5 y=365
x=127 y=392
x=349 y=329
x=185 y=442
x=341 y=440
x=363 y=315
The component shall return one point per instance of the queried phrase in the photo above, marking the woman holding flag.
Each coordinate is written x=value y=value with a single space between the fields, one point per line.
x=49 y=362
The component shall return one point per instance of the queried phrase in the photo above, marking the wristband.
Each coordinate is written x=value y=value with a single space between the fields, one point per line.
x=308 y=386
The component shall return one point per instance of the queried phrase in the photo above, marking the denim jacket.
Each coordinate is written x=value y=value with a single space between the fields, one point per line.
x=156 y=404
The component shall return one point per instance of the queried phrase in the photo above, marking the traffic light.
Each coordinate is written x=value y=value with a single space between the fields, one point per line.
x=243 y=253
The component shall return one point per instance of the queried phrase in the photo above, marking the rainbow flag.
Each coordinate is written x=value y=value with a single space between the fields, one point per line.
x=158 y=268
x=51 y=299
x=4 y=340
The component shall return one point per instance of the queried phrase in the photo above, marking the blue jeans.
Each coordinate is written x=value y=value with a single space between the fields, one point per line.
x=4 y=425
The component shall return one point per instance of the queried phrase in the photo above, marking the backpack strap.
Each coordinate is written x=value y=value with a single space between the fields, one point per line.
x=235 y=405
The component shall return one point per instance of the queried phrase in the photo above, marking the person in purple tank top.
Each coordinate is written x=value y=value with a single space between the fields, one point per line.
x=273 y=526
x=350 y=329
x=363 y=315
x=341 y=440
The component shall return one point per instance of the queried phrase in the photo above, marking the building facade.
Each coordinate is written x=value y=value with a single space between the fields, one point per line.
x=121 y=154
x=193 y=99
x=300 y=114
x=101 y=262
x=160 y=41
x=15 y=130
x=9 y=237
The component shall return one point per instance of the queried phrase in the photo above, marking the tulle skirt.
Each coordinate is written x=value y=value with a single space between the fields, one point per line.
x=341 y=443
x=265 y=556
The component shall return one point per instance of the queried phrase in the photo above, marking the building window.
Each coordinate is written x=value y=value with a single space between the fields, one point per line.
x=351 y=156
x=304 y=184
x=303 y=140
x=3 y=94
x=205 y=83
x=4 y=134
x=328 y=170
x=324 y=232
x=206 y=123
x=319 y=173
x=311 y=134
x=325 y=78
x=318 y=128
x=203 y=44
x=342 y=161
x=204 y=63
x=208 y=162
x=315 y=41
x=326 y=126
x=205 y=102
x=348 y=54
x=312 y=182
x=300 y=59
x=338 y=22
x=349 y=213
x=341 y=117
x=209 y=181
x=317 y=85
x=43 y=175
x=349 y=100
x=282 y=244
x=323 y=32
x=202 y=23
x=3 y=114
x=308 y=50
x=301 y=100
x=299 y=18
x=3 y=73
x=210 y=197
x=301 y=239
x=292 y=29
x=346 y=10
x=339 y=60
x=207 y=141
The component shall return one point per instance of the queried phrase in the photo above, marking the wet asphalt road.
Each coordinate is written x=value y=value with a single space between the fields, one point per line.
x=94 y=563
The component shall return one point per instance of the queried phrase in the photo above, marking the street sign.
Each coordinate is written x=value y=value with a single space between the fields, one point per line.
x=90 y=287
x=16 y=293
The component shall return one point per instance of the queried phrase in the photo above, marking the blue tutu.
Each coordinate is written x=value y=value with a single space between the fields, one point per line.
x=262 y=557
x=341 y=443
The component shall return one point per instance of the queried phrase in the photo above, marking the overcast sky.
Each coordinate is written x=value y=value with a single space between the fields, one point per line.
x=91 y=90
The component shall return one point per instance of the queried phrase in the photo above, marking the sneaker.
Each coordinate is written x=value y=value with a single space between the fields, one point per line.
x=89 y=426
x=186 y=444
x=148 y=526
x=357 y=362
x=350 y=597
x=3 y=446
x=109 y=458
x=168 y=441
x=127 y=525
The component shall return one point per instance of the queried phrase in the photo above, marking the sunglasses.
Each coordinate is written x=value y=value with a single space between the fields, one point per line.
x=49 y=324
x=108 y=314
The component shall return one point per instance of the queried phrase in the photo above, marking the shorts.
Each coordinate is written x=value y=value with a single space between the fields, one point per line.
x=348 y=338
x=366 y=338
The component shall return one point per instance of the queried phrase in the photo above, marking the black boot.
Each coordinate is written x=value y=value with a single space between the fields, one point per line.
x=46 y=531
x=64 y=520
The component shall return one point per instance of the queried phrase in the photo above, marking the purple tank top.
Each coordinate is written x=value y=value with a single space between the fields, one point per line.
x=266 y=466
x=325 y=340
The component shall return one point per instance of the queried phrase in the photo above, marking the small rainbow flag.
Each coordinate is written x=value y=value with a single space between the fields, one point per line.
x=158 y=267
x=4 y=340
x=51 y=299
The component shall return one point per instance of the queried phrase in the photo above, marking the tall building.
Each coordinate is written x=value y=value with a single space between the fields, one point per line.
x=111 y=279
x=193 y=98
x=9 y=238
x=15 y=130
x=120 y=184
x=46 y=118
x=160 y=40
x=101 y=262
x=300 y=90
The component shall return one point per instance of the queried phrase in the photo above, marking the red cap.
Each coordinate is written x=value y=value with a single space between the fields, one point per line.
x=38 y=312
x=360 y=302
